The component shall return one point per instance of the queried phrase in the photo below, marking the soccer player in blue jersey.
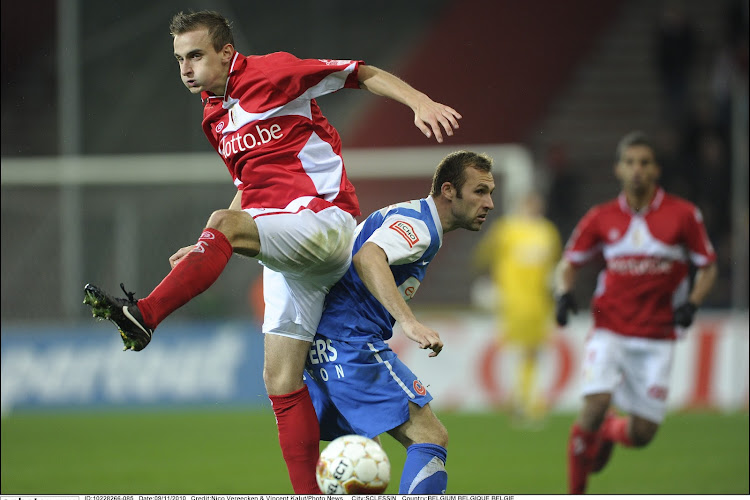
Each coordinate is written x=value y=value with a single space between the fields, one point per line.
x=357 y=383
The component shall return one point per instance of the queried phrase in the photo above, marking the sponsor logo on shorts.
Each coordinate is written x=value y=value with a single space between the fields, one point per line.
x=419 y=388
x=207 y=235
x=407 y=231
x=658 y=392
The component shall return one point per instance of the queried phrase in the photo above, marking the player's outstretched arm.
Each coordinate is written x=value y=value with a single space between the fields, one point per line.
x=372 y=266
x=429 y=116
x=705 y=278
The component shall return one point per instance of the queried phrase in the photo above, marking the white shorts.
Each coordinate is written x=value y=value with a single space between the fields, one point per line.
x=634 y=370
x=304 y=253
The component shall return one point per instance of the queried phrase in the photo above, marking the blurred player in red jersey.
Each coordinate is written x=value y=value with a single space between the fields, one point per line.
x=642 y=303
x=294 y=209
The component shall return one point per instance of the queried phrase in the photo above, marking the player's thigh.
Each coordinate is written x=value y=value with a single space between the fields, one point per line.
x=646 y=373
x=292 y=307
x=423 y=426
x=284 y=363
x=601 y=362
x=370 y=387
x=306 y=245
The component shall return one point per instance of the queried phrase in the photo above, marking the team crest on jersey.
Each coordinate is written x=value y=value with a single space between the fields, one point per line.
x=419 y=388
x=406 y=230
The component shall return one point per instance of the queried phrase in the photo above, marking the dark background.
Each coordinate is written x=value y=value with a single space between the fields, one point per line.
x=564 y=79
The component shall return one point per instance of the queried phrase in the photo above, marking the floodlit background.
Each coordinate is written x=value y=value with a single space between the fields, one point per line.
x=106 y=172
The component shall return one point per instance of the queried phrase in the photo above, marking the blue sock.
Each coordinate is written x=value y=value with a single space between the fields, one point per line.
x=424 y=470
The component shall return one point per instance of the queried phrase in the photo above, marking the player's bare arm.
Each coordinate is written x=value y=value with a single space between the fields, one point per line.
x=565 y=275
x=372 y=266
x=429 y=116
x=705 y=277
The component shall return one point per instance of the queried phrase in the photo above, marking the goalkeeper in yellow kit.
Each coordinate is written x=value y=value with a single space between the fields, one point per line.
x=521 y=251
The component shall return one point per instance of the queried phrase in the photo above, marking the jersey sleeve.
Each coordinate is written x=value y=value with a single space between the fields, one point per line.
x=700 y=249
x=310 y=78
x=403 y=239
x=584 y=243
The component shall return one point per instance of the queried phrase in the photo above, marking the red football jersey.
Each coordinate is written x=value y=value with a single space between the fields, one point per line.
x=272 y=136
x=647 y=257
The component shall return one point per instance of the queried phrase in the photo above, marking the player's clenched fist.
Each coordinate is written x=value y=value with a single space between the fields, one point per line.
x=564 y=303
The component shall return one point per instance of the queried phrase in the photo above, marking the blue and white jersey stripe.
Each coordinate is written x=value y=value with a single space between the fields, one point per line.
x=410 y=234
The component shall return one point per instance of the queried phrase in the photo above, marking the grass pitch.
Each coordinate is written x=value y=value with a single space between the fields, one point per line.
x=237 y=452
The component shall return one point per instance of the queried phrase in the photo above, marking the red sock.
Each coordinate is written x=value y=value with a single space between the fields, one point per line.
x=616 y=429
x=299 y=437
x=193 y=275
x=580 y=445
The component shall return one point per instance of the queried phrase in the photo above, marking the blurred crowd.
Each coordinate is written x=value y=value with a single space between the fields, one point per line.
x=696 y=140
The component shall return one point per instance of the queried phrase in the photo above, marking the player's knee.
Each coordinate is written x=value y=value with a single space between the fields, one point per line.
x=434 y=432
x=642 y=432
x=220 y=220
x=594 y=410
x=238 y=227
x=279 y=382
x=440 y=435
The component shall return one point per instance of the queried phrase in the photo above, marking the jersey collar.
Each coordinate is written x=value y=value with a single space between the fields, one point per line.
x=655 y=202
x=238 y=64
x=435 y=217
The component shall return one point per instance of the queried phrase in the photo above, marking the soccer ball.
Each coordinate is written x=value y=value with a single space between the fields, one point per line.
x=353 y=464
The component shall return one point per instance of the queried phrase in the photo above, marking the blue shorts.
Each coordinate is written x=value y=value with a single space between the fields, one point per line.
x=360 y=387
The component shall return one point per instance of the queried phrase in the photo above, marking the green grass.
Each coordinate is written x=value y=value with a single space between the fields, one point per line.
x=236 y=452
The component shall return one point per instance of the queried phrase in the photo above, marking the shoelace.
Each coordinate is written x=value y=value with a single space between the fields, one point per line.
x=129 y=295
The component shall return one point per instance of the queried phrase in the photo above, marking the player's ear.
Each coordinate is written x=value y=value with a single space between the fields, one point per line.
x=227 y=53
x=448 y=191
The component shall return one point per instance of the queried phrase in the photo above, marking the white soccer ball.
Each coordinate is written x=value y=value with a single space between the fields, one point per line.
x=353 y=464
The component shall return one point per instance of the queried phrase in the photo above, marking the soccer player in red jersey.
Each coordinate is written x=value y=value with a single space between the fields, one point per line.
x=643 y=301
x=294 y=209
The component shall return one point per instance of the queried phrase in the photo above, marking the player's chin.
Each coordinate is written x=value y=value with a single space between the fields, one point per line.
x=477 y=224
x=193 y=87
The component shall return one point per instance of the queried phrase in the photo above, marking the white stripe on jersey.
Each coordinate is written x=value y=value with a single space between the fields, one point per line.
x=331 y=83
x=238 y=117
x=638 y=241
x=323 y=166
x=390 y=369
x=300 y=106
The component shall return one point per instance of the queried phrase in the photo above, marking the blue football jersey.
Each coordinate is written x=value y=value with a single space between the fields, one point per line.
x=410 y=234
